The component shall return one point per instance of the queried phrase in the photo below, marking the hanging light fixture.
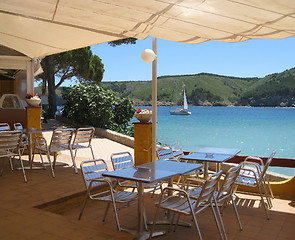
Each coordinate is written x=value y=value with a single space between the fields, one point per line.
x=148 y=55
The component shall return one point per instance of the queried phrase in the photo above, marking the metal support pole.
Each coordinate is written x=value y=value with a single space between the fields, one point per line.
x=154 y=102
x=30 y=77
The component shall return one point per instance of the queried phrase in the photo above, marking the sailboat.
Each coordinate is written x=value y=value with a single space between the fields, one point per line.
x=184 y=110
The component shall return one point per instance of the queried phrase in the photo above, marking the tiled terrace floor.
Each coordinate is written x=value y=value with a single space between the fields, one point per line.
x=20 y=219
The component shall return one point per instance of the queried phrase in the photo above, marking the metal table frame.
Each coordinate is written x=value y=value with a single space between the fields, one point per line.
x=148 y=173
x=211 y=154
x=29 y=132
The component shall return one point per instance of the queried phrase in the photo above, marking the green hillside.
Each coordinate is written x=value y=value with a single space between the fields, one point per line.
x=276 y=89
x=204 y=89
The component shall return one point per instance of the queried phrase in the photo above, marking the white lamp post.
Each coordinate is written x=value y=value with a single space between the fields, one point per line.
x=149 y=56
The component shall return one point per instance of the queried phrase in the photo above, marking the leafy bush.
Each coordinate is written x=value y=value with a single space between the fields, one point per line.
x=92 y=105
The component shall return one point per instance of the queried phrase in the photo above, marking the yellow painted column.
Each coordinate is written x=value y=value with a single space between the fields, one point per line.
x=34 y=120
x=142 y=142
x=34 y=117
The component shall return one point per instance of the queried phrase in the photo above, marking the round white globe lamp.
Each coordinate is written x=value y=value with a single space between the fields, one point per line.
x=148 y=55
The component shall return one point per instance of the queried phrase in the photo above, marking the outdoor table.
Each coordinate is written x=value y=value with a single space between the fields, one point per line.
x=149 y=173
x=29 y=132
x=211 y=154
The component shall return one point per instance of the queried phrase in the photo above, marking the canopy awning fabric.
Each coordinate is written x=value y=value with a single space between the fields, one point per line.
x=38 y=28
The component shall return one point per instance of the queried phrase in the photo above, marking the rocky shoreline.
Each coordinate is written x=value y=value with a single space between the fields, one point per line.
x=263 y=102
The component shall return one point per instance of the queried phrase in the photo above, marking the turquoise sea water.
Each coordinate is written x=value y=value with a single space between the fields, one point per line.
x=256 y=131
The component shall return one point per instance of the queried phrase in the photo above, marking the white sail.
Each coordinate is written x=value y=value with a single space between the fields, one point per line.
x=182 y=111
x=185 y=106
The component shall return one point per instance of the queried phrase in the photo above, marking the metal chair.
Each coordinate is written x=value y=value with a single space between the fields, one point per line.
x=225 y=192
x=4 y=127
x=25 y=140
x=177 y=154
x=177 y=150
x=60 y=141
x=100 y=188
x=256 y=177
x=82 y=139
x=261 y=166
x=180 y=202
x=18 y=126
x=123 y=160
x=166 y=153
x=10 y=147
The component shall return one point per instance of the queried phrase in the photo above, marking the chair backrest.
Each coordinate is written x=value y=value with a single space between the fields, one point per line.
x=177 y=150
x=4 y=127
x=84 y=135
x=228 y=182
x=61 y=139
x=9 y=140
x=93 y=169
x=267 y=164
x=208 y=189
x=18 y=126
x=165 y=153
x=122 y=160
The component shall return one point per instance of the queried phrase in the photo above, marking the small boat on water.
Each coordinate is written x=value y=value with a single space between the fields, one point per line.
x=184 y=110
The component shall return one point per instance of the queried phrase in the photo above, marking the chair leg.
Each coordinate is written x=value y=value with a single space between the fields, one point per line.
x=269 y=187
x=236 y=211
x=22 y=167
x=267 y=194
x=51 y=166
x=155 y=219
x=74 y=161
x=92 y=152
x=262 y=202
x=172 y=221
x=116 y=216
x=155 y=188
x=83 y=207
x=33 y=156
x=145 y=219
x=2 y=168
x=218 y=221
x=197 y=225
x=106 y=211
x=75 y=153
x=42 y=159
x=178 y=181
x=11 y=163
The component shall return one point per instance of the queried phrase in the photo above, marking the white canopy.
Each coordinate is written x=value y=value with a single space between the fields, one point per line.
x=42 y=27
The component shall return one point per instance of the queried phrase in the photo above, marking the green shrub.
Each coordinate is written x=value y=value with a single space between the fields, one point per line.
x=90 y=104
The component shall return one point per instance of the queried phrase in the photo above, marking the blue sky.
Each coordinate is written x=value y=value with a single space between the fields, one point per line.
x=254 y=58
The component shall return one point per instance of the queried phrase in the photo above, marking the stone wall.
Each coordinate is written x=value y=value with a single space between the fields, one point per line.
x=104 y=133
x=114 y=136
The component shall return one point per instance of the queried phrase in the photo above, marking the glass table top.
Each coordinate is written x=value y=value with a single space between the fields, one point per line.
x=154 y=171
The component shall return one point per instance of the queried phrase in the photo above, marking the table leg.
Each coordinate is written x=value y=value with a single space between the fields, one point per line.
x=140 y=233
x=140 y=209
x=217 y=170
x=30 y=150
x=205 y=169
x=217 y=167
x=31 y=155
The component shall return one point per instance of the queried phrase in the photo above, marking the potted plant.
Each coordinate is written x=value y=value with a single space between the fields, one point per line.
x=143 y=115
x=33 y=100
